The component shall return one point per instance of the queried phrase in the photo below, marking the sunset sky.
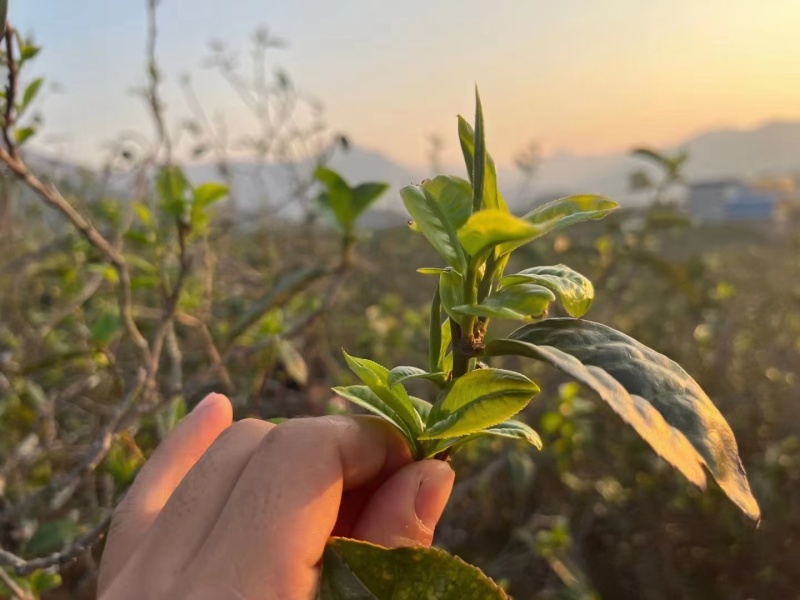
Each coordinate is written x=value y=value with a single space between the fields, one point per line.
x=588 y=76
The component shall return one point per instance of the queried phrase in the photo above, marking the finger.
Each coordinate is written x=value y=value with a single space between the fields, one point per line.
x=285 y=504
x=196 y=504
x=407 y=507
x=159 y=477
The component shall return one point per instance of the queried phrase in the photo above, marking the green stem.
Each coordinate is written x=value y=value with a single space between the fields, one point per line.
x=435 y=333
x=460 y=358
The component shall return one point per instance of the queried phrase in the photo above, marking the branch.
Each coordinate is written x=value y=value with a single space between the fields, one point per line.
x=11 y=90
x=24 y=567
x=16 y=591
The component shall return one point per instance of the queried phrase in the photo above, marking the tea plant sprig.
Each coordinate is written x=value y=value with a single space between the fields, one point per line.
x=471 y=227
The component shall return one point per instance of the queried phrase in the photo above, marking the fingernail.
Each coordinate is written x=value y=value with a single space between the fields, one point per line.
x=208 y=400
x=434 y=492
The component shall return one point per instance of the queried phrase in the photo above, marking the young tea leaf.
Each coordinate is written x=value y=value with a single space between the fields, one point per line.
x=399 y=375
x=30 y=93
x=353 y=570
x=451 y=293
x=575 y=291
x=478 y=400
x=434 y=224
x=362 y=396
x=491 y=195
x=518 y=302
x=657 y=385
x=365 y=195
x=564 y=212
x=491 y=227
x=479 y=159
x=377 y=379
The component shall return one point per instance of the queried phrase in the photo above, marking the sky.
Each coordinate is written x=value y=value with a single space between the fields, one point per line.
x=581 y=76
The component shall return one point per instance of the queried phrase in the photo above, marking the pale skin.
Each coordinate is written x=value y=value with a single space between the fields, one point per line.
x=227 y=510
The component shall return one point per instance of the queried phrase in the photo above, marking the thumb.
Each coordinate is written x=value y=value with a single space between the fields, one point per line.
x=405 y=509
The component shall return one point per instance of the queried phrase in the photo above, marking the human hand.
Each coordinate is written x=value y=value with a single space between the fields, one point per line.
x=243 y=510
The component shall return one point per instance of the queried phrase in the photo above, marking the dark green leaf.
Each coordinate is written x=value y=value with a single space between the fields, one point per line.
x=365 y=195
x=52 y=536
x=575 y=291
x=478 y=400
x=654 y=382
x=399 y=375
x=377 y=379
x=106 y=328
x=339 y=196
x=353 y=570
x=519 y=302
x=30 y=93
x=434 y=224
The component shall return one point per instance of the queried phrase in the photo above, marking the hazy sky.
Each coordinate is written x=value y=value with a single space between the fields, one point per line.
x=589 y=76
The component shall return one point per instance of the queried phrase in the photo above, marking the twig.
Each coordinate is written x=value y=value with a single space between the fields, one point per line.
x=16 y=591
x=24 y=567
x=11 y=90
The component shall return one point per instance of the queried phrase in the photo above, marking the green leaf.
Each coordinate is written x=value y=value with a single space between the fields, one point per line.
x=23 y=134
x=365 y=195
x=209 y=193
x=28 y=52
x=491 y=195
x=478 y=400
x=399 y=375
x=564 y=212
x=479 y=159
x=575 y=291
x=30 y=93
x=446 y=358
x=491 y=227
x=454 y=197
x=106 y=328
x=377 y=379
x=432 y=270
x=657 y=385
x=353 y=570
x=423 y=407
x=433 y=223
x=451 y=293
x=511 y=429
x=173 y=188
x=293 y=362
x=519 y=302
x=52 y=536
x=347 y=203
x=44 y=581
x=364 y=397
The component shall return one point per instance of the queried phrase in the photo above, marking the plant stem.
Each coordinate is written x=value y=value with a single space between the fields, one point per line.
x=460 y=358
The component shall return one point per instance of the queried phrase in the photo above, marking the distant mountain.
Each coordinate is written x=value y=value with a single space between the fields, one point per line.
x=773 y=148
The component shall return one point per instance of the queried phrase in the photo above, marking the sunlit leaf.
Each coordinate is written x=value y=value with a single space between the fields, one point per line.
x=491 y=227
x=658 y=386
x=354 y=570
x=480 y=399
x=400 y=375
x=519 y=302
x=574 y=290
x=451 y=293
x=376 y=377
x=362 y=396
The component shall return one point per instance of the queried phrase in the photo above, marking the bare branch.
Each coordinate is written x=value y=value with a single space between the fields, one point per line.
x=11 y=90
x=24 y=567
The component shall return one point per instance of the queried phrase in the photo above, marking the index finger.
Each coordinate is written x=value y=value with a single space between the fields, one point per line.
x=273 y=529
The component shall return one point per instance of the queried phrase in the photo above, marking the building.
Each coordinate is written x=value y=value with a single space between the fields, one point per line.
x=730 y=200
